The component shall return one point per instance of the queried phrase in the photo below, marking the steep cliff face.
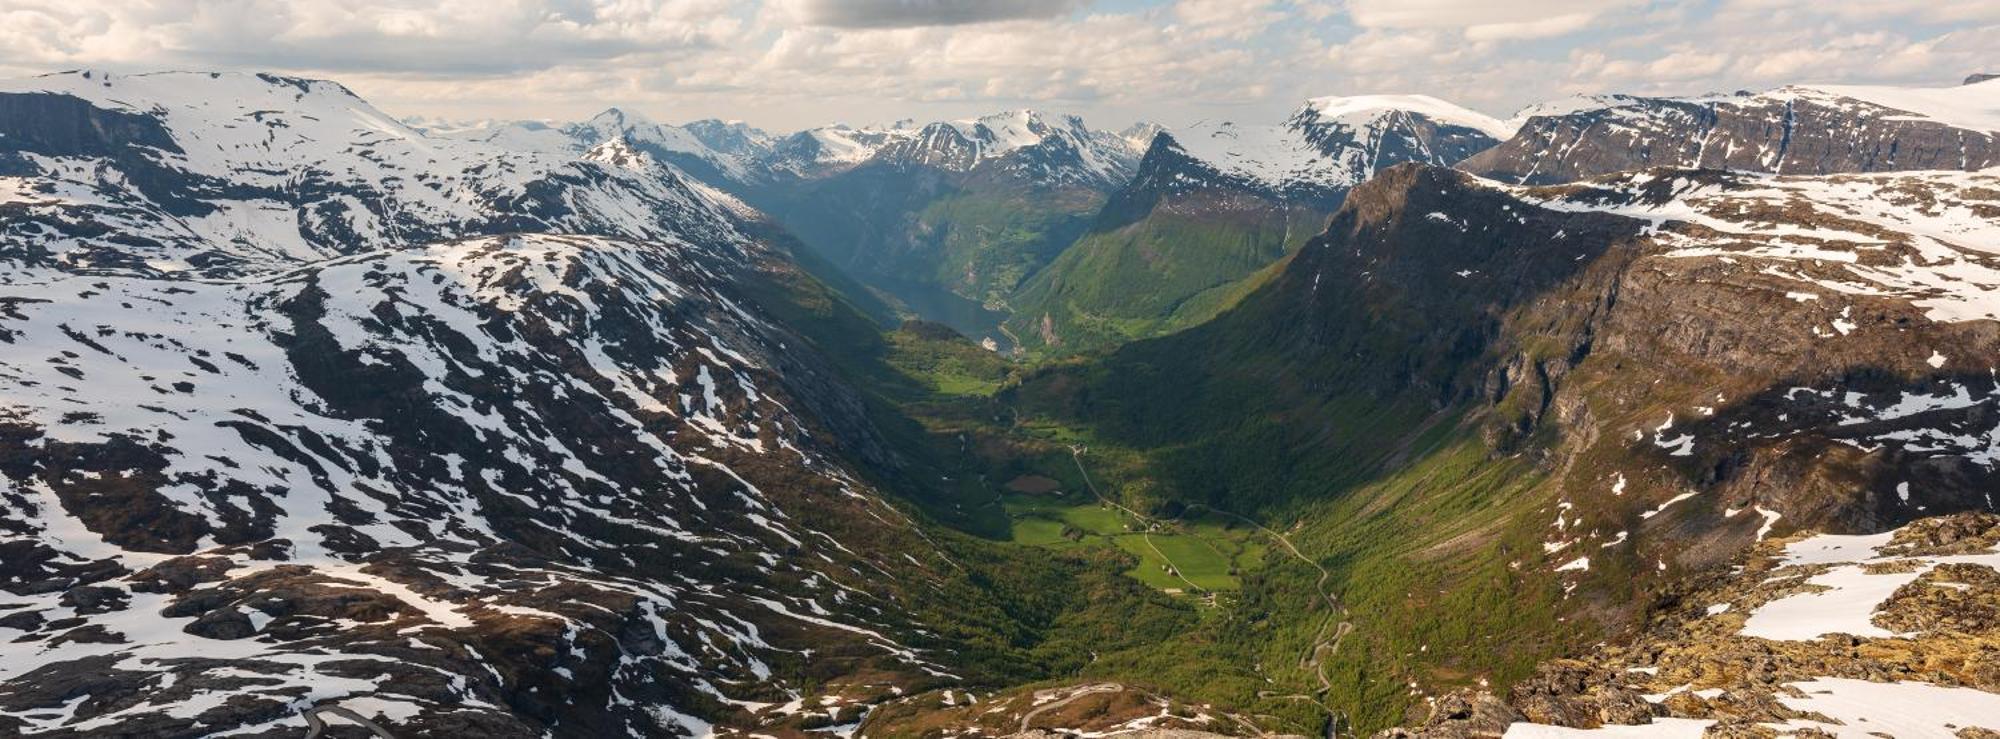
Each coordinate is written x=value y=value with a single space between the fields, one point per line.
x=1792 y=130
x=1816 y=349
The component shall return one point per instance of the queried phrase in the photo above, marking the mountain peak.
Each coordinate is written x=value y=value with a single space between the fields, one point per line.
x=1139 y=136
x=616 y=117
x=1369 y=107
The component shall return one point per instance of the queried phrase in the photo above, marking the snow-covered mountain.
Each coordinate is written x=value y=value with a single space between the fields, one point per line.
x=230 y=173
x=1820 y=129
x=713 y=150
x=1058 y=150
x=820 y=151
x=1333 y=143
x=294 y=418
x=1029 y=144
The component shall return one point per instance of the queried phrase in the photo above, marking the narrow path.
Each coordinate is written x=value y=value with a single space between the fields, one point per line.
x=1172 y=568
x=1325 y=645
x=1016 y=340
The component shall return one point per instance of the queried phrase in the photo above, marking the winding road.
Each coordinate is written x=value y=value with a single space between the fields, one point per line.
x=1330 y=636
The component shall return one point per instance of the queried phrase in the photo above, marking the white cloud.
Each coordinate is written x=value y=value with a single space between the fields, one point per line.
x=913 y=13
x=447 y=38
x=1238 y=20
x=1483 y=19
x=791 y=63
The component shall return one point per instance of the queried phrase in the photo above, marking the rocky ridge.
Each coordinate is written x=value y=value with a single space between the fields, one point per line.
x=1796 y=130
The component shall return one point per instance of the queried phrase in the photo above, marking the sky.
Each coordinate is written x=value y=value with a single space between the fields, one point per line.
x=790 y=64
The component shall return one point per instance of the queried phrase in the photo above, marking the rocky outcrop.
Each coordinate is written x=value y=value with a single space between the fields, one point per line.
x=1465 y=714
x=1722 y=657
x=1744 y=365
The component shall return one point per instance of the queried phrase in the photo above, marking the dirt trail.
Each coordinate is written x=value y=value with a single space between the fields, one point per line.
x=1028 y=717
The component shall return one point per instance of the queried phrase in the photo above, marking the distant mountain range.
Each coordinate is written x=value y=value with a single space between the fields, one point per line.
x=1040 y=233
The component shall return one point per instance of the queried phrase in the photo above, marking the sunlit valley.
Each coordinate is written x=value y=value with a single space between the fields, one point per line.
x=1630 y=414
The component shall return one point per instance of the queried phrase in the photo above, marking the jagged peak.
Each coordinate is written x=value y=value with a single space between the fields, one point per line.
x=1140 y=136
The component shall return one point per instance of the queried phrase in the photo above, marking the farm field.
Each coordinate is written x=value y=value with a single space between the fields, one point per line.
x=1184 y=556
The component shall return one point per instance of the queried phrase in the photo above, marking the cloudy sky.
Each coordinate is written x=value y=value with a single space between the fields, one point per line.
x=786 y=64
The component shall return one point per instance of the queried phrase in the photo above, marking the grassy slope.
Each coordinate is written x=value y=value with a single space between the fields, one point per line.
x=982 y=244
x=1164 y=272
x=1400 y=505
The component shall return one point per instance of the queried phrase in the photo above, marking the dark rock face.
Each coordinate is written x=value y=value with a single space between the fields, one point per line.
x=936 y=146
x=1791 y=131
x=1169 y=178
x=1420 y=255
x=1352 y=151
x=1387 y=139
x=60 y=125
